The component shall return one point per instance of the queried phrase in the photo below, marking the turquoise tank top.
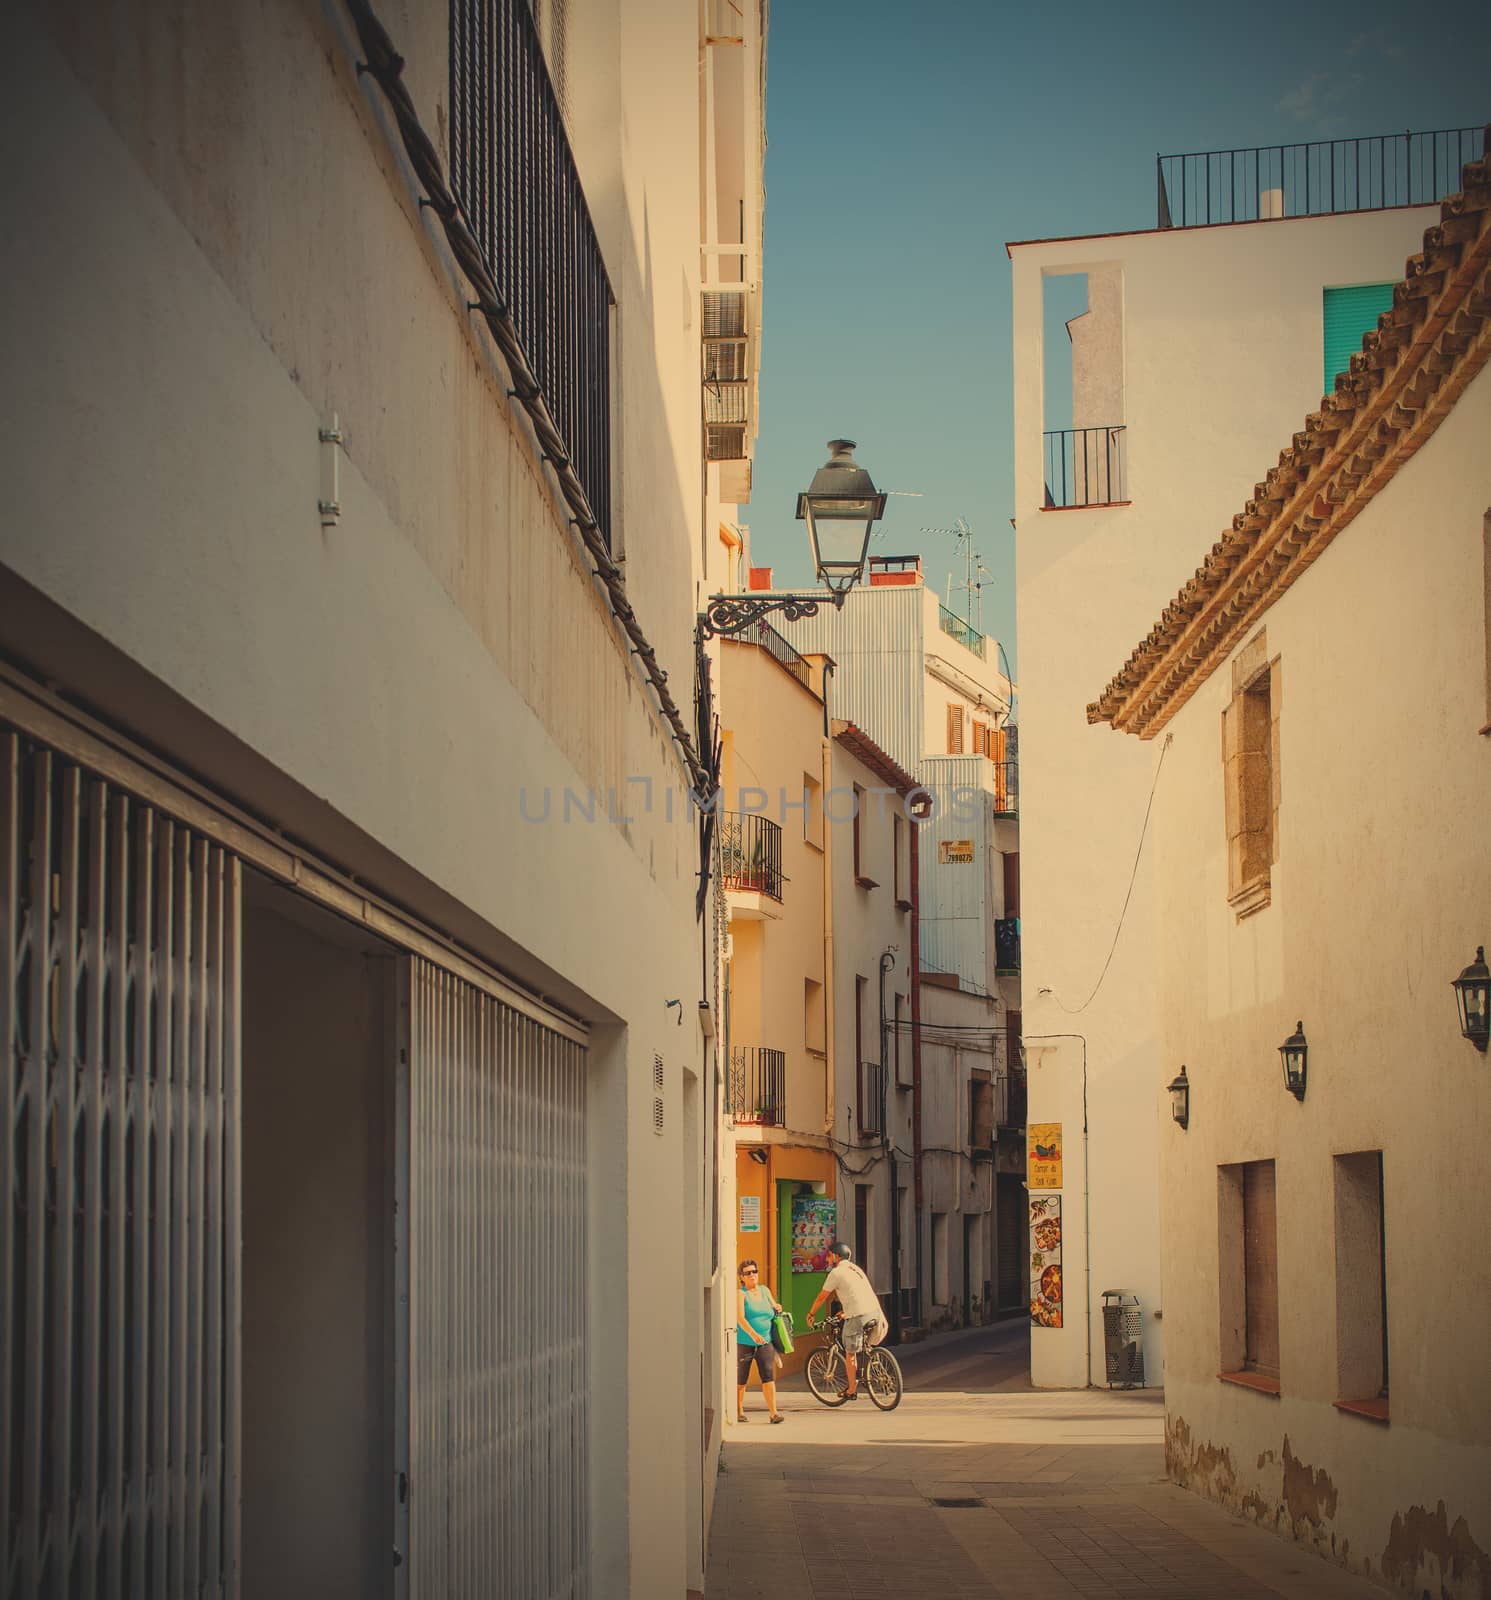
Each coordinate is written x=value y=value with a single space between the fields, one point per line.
x=759 y=1313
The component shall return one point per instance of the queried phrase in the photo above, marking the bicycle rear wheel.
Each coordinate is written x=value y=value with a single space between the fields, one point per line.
x=826 y=1376
x=883 y=1379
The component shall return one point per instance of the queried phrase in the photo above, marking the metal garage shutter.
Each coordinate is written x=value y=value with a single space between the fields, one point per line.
x=1348 y=314
x=120 y=1182
x=498 y=1347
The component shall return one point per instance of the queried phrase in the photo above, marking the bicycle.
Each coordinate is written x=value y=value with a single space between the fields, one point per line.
x=828 y=1371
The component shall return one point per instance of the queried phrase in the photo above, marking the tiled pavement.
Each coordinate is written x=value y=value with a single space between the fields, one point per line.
x=1068 y=1491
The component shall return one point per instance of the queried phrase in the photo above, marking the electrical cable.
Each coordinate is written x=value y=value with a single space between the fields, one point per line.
x=1133 y=877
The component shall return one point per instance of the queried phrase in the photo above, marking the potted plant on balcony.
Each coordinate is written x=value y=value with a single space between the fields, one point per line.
x=755 y=875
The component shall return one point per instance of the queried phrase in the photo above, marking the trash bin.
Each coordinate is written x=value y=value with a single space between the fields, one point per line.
x=1123 y=1339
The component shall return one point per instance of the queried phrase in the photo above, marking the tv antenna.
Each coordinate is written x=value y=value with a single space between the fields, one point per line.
x=905 y=494
x=974 y=572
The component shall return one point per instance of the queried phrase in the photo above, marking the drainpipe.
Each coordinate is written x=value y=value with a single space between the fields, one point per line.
x=888 y=1149
x=1086 y=1193
x=916 y=1050
x=825 y=783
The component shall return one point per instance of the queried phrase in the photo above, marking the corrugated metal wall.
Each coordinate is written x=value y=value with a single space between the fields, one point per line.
x=876 y=644
x=120 y=1223
x=498 y=1340
x=957 y=910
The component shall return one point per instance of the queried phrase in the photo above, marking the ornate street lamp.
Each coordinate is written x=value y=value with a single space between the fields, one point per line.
x=1473 y=995
x=1180 y=1099
x=1295 y=1054
x=841 y=510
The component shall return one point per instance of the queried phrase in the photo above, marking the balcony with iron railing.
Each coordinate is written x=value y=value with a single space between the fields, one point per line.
x=1007 y=944
x=1086 y=467
x=1319 y=178
x=1006 y=788
x=519 y=189
x=756 y=1087
x=964 y=632
x=871 y=1092
x=1010 y=1101
x=751 y=854
x=777 y=647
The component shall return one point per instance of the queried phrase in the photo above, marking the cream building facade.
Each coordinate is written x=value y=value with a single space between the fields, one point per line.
x=336 y=617
x=1326 y=1284
x=1196 y=341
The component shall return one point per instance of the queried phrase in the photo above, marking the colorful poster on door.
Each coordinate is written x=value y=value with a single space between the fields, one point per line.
x=750 y=1213
x=1045 y=1260
x=1043 y=1155
x=814 y=1219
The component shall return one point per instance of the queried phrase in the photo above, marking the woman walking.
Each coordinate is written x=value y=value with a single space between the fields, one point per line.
x=753 y=1313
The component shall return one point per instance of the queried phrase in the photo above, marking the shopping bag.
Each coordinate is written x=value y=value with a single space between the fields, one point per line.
x=781 y=1332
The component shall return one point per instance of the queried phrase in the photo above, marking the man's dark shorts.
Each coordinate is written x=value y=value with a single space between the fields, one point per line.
x=762 y=1356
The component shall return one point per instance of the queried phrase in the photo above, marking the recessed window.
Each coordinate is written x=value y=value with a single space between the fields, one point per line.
x=902 y=1043
x=813 y=1027
x=1361 y=1284
x=1248 y=1288
x=1486 y=566
x=1250 y=757
x=812 y=811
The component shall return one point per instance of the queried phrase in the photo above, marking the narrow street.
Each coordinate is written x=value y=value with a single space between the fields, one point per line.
x=978 y=1485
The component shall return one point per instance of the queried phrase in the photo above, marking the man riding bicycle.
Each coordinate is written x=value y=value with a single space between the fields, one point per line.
x=861 y=1308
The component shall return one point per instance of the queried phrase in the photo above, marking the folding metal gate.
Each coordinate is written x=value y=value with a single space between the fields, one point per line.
x=497 y=1346
x=120 y=1182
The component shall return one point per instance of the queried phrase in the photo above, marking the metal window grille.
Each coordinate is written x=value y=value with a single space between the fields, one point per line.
x=756 y=1090
x=751 y=853
x=499 y=1390
x=514 y=174
x=871 y=1091
x=120 y=1222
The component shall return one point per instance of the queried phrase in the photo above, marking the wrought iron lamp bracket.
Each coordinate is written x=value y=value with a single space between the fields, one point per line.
x=725 y=614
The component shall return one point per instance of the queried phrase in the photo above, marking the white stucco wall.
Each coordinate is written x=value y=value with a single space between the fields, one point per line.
x=1221 y=349
x=1379 y=896
x=184 y=324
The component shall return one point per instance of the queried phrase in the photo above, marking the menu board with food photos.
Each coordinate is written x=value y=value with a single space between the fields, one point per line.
x=1045 y=1260
x=814 y=1218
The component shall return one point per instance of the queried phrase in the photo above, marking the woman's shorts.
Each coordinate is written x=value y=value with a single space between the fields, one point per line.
x=762 y=1356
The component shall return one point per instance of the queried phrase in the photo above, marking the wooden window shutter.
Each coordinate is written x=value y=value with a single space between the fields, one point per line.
x=955 y=730
x=980 y=739
x=996 y=745
x=1261 y=1268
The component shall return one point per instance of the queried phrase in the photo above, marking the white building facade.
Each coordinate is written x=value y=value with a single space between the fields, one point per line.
x=333 y=689
x=1219 y=333
x=1326 y=1280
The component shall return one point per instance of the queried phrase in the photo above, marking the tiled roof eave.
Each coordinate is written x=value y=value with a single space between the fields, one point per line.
x=1424 y=352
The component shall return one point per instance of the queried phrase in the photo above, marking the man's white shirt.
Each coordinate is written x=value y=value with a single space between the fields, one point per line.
x=853 y=1289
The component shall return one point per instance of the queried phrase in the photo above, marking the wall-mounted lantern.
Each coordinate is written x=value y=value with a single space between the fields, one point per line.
x=1295 y=1053
x=1180 y=1099
x=1473 y=996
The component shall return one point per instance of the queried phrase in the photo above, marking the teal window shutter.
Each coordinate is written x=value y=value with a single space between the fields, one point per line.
x=1349 y=313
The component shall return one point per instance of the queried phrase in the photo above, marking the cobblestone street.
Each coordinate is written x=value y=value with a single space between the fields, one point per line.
x=978 y=1485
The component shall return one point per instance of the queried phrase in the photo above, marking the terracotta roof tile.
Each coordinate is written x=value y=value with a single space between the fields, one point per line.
x=1397 y=389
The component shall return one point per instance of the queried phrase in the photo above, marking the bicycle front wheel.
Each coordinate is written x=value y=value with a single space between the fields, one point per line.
x=883 y=1379
x=826 y=1377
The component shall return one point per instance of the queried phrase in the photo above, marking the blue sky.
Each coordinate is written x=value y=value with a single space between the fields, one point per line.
x=907 y=144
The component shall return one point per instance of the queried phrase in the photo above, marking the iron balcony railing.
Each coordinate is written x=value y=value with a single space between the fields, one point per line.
x=965 y=633
x=757 y=1088
x=514 y=174
x=778 y=649
x=1314 y=179
x=1006 y=788
x=871 y=1089
x=751 y=849
x=1086 y=467
x=1007 y=944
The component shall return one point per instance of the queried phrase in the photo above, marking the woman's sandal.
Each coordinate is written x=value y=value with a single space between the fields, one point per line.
x=779 y=1417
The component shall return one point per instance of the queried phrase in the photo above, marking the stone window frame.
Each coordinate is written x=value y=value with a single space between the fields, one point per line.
x=1250 y=775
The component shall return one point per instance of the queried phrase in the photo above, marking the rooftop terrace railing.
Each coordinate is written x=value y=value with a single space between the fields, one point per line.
x=964 y=632
x=1318 y=178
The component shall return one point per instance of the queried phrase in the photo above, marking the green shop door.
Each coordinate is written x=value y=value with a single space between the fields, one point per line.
x=816 y=1216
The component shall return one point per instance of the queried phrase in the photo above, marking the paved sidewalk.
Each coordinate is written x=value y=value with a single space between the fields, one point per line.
x=1067 y=1491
